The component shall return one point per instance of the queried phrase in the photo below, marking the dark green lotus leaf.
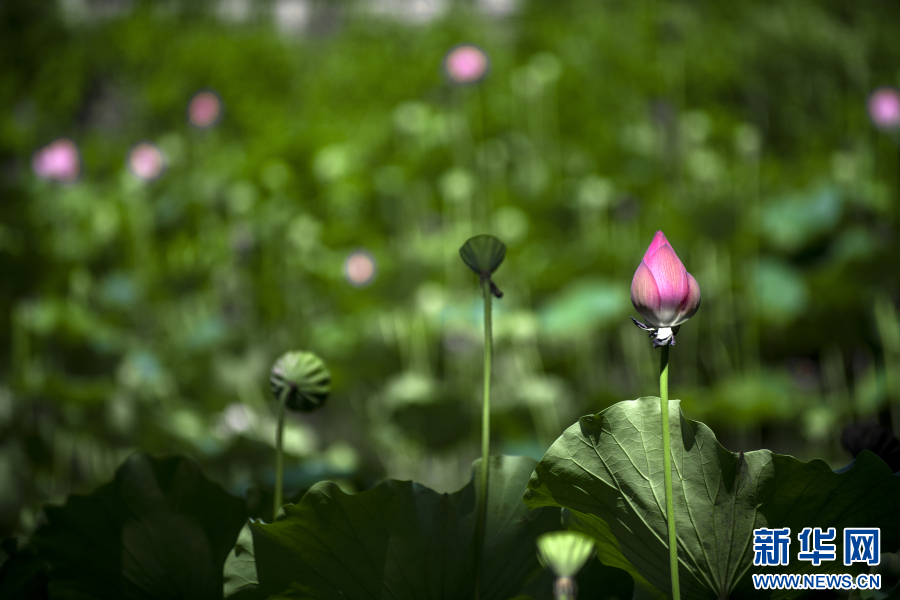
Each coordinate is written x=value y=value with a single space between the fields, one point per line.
x=607 y=469
x=564 y=552
x=241 y=579
x=23 y=574
x=304 y=378
x=483 y=253
x=399 y=540
x=609 y=554
x=160 y=529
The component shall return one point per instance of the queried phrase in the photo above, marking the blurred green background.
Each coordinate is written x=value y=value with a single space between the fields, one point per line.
x=145 y=314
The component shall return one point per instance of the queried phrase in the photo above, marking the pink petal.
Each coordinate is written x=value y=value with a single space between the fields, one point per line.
x=659 y=240
x=644 y=293
x=691 y=302
x=670 y=276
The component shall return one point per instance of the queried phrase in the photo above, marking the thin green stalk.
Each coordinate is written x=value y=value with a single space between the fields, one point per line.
x=485 y=433
x=564 y=589
x=279 y=453
x=667 y=469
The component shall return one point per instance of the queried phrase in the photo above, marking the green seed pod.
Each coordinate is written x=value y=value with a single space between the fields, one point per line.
x=483 y=254
x=305 y=379
x=564 y=552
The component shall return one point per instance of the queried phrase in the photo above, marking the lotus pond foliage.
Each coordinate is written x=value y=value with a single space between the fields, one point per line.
x=255 y=306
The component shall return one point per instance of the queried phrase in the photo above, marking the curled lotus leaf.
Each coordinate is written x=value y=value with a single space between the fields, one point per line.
x=483 y=254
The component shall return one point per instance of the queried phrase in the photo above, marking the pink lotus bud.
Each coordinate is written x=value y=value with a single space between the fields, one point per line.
x=663 y=291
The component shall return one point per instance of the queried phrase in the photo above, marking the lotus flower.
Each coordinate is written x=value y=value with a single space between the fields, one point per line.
x=884 y=108
x=59 y=161
x=663 y=292
x=204 y=109
x=466 y=64
x=146 y=161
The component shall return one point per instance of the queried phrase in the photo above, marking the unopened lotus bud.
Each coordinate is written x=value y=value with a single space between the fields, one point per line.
x=564 y=552
x=484 y=254
x=663 y=292
x=303 y=379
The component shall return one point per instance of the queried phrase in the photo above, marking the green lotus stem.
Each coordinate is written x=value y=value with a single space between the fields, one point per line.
x=485 y=433
x=667 y=469
x=279 y=452
x=564 y=589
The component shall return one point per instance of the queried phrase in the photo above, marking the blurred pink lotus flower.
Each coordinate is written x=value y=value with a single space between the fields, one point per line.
x=359 y=268
x=884 y=108
x=204 y=109
x=466 y=64
x=58 y=161
x=663 y=292
x=146 y=161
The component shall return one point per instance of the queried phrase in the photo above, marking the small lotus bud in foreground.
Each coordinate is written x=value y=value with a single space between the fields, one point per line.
x=564 y=552
x=663 y=292
x=304 y=378
x=484 y=254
